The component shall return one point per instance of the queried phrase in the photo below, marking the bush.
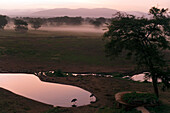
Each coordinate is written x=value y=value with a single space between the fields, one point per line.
x=21 y=25
x=57 y=73
x=159 y=109
x=70 y=75
x=140 y=98
x=3 y=21
x=118 y=75
x=114 y=110
x=56 y=110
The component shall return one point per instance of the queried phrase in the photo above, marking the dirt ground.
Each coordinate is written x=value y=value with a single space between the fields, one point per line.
x=12 y=103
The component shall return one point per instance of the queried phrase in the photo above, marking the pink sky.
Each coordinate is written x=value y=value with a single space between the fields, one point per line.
x=124 y=5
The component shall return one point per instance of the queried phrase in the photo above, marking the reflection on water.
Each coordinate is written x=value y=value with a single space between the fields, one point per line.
x=77 y=74
x=31 y=87
x=142 y=77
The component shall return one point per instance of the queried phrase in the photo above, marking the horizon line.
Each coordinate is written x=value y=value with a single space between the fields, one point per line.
x=70 y=8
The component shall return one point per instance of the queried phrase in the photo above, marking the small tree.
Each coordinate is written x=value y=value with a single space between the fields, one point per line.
x=3 y=21
x=144 y=38
x=101 y=19
x=36 y=23
x=20 y=25
x=96 y=23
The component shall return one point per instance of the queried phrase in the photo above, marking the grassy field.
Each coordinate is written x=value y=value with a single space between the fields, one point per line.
x=71 y=52
x=51 y=50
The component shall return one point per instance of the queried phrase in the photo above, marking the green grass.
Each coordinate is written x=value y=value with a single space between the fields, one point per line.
x=140 y=98
x=57 y=73
x=56 y=110
x=49 y=48
x=159 y=109
x=52 y=34
x=60 y=47
x=114 y=110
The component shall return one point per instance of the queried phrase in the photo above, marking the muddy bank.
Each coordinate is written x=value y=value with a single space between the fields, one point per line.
x=12 y=103
x=103 y=88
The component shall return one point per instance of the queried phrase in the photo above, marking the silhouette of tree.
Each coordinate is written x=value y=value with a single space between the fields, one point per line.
x=101 y=19
x=3 y=21
x=143 y=38
x=36 y=23
x=20 y=25
x=96 y=23
x=66 y=20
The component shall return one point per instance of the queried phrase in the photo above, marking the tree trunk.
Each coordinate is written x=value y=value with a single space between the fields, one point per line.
x=154 y=81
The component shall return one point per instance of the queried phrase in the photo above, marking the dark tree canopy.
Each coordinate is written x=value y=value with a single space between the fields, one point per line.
x=58 y=21
x=101 y=19
x=20 y=25
x=98 y=22
x=3 y=21
x=36 y=23
x=66 y=20
x=143 y=38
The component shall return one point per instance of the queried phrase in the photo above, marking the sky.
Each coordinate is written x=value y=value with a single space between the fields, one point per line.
x=123 y=5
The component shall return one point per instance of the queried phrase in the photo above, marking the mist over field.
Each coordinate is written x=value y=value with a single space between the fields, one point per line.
x=71 y=28
x=81 y=28
x=72 y=24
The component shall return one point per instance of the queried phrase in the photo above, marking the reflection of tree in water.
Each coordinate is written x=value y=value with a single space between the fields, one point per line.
x=92 y=98
x=74 y=102
x=146 y=76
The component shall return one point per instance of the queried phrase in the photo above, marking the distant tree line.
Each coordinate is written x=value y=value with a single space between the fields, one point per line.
x=98 y=22
x=21 y=23
x=3 y=21
x=66 y=20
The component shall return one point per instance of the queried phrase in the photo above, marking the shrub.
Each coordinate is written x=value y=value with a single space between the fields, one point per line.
x=114 y=110
x=21 y=25
x=57 y=73
x=56 y=110
x=140 y=98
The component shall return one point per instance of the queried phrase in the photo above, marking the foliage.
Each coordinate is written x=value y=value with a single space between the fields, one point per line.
x=101 y=19
x=113 y=110
x=21 y=25
x=36 y=23
x=143 y=38
x=140 y=98
x=70 y=75
x=3 y=21
x=57 y=73
x=66 y=20
x=96 y=23
x=159 y=109
x=118 y=75
x=56 y=110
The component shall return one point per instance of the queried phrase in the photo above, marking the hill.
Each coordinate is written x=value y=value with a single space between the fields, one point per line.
x=57 y=12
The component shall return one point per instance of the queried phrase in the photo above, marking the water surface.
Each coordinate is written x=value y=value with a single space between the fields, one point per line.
x=28 y=85
x=142 y=77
